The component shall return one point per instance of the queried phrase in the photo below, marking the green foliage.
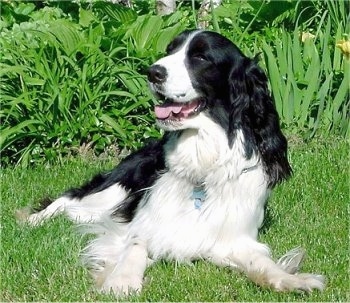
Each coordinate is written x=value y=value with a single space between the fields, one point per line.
x=309 y=86
x=67 y=82
x=72 y=72
x=308 y=78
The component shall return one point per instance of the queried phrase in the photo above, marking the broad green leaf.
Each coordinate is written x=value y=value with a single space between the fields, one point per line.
x=322 y=96
x=24 y=8
x=296 y=50
x=8 y=131
x=165 y=36
x=33 y=81
x=116 y=11
x=112 y=123
x=312 y=75
x=67 y=35
x=7 y=69
x=275 y=77
x=86 y=17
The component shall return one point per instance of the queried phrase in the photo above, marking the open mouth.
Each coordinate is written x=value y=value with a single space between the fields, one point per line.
x=171 y=110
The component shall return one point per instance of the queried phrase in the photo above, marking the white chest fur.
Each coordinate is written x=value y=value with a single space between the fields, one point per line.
x=205 y=151
x=168 y=219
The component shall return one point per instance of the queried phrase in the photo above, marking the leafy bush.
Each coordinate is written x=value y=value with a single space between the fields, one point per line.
x=305 y=69
x=308 y=81
x=67 y=83
x=72 y=73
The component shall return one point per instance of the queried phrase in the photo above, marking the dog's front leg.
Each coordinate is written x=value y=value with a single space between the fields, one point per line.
x=256 y=263
x=127 y=276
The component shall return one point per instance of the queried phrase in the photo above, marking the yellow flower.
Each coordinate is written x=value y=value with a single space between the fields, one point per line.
x=344 y=46
x=306 y=35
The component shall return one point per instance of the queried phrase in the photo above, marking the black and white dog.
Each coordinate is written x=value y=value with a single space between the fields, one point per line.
x=200 y=191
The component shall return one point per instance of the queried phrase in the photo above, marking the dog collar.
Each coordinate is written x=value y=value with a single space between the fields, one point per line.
x=248 y=169
x=198 y=196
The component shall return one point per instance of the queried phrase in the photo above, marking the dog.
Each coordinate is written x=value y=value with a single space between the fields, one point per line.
x=200 y=191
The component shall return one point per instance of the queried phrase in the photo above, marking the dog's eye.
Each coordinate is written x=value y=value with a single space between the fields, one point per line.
x=200 y=57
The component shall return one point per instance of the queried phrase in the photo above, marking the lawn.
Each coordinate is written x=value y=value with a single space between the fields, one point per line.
x=310 y=210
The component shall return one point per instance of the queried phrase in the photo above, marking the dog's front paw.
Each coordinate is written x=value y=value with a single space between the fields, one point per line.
x=298 y=282
x=122 y=285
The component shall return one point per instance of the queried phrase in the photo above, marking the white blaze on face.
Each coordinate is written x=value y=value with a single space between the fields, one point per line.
x=177 y=86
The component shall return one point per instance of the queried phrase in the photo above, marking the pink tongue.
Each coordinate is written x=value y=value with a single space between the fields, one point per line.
x=163 y=112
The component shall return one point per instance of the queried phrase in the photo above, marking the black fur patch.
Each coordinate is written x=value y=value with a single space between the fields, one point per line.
x=135 y=173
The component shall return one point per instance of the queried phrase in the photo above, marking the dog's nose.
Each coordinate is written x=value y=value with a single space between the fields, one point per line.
x=157 y=74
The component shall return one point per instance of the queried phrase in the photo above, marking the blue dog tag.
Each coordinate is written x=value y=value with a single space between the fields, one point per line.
x=198 y=195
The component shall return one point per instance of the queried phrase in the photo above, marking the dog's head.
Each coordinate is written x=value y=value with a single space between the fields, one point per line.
x=205 y=76
x=192 y=77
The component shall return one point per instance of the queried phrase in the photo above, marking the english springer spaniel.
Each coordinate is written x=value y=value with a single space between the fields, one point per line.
x=200 y=191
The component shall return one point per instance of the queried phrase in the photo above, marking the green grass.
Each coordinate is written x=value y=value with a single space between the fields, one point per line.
x=310 y=210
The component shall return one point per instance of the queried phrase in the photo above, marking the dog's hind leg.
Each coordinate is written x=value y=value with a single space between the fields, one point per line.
x=105 y=192
x=89 y=208
x=255 y=262
x=35 y=218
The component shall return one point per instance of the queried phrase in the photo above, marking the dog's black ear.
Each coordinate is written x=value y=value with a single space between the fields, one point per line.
x=253 y=111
